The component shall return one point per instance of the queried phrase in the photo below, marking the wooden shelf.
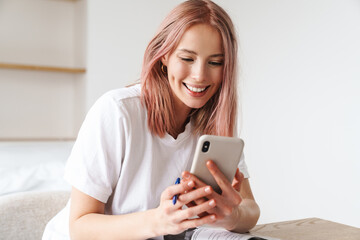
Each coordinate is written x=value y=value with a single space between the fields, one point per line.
x=40 y=139
x=42 y=68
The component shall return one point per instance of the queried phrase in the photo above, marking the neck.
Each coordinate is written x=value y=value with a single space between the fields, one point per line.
x=182 y=118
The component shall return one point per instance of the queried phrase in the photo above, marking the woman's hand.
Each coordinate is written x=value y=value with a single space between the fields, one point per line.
x=227 y=203
x=172 y=219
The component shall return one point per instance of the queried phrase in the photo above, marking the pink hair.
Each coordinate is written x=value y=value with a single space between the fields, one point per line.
x=218 y=115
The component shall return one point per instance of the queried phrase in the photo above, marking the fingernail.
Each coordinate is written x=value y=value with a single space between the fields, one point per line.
x=212 y=203
x=186 y=175
x=191 y=184
x=208 y=189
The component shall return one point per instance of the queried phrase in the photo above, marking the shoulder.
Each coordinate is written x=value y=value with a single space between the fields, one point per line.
x=122 y=95
x=119 y=99
x=122 y=103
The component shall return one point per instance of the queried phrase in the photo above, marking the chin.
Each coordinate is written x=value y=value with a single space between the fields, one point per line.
x=196 y=105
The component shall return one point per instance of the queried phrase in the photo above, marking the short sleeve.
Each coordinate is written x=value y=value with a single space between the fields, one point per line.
x=242 y=164
x=243 y=167
x=95 y=161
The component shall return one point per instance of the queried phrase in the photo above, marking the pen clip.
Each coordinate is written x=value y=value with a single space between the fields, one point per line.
x=176 y=196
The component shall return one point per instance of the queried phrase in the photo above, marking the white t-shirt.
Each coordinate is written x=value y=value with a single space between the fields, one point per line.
x=117 y=160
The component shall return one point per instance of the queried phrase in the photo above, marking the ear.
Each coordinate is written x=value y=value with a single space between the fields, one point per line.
x=165 y=59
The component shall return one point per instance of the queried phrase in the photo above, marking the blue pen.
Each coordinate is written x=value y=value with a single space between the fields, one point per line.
x=176 y=196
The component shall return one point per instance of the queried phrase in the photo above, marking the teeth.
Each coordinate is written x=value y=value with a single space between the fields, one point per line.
x=194 y=89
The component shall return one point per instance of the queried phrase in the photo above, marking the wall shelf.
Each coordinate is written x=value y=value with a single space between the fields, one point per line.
x=42 y=68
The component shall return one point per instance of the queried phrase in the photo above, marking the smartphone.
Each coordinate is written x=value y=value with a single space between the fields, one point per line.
x=224 y=151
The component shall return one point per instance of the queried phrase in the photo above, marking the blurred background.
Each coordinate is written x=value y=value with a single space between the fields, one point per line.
x=299 y=91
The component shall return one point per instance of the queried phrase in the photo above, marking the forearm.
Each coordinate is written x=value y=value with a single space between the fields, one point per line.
x=246 y=217
x=139 y=225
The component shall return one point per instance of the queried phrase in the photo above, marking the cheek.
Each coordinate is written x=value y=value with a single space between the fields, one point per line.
x=217 y=76
x=179 y=71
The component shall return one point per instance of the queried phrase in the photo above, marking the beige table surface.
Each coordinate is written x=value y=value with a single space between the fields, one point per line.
x=307 y=229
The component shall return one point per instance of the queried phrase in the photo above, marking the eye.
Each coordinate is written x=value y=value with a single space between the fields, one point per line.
x=216 y=63
x=187 y=59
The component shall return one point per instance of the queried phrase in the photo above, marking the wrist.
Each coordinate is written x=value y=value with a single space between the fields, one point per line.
x=233 y=219
x=156 y=226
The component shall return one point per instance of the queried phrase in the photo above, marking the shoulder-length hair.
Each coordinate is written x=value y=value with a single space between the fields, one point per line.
x=218 y=115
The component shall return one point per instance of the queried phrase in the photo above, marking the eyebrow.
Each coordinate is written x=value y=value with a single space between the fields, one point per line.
x=195 y=53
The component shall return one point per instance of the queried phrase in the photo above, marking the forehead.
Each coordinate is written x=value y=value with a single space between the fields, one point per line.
x=202 y=39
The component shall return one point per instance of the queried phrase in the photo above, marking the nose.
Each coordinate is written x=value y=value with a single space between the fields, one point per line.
x=199 y=72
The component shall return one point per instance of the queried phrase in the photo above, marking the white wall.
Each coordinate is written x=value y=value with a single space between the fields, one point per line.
x=80 y=58
x=37 y=32
x=301 y=106
x=117 y=34
x=36 y=104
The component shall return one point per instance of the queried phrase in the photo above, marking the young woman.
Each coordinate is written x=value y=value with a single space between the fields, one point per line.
x=136 y=141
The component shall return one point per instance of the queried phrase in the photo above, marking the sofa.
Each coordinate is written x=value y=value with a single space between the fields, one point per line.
x=24 y=215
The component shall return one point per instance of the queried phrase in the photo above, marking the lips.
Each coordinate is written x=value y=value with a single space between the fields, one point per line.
x=196 y=89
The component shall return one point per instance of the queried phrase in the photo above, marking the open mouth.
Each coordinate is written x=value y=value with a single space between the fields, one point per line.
x=195 y=89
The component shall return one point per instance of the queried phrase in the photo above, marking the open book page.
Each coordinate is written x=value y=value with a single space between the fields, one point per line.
x=205 y=233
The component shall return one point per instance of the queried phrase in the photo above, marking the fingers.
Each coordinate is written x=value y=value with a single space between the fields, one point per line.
x=195 y=194
x=219 y=177
x=226 y=203
x=228 y=189
x=177 y=189
x=190 y=177
x=238 y=180
x=187 y=195
x=194 y=211
x=175 y=218
x=193 y=223
x=188 y=198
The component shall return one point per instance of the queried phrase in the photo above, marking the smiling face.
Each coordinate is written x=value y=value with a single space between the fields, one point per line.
x=195 y=67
